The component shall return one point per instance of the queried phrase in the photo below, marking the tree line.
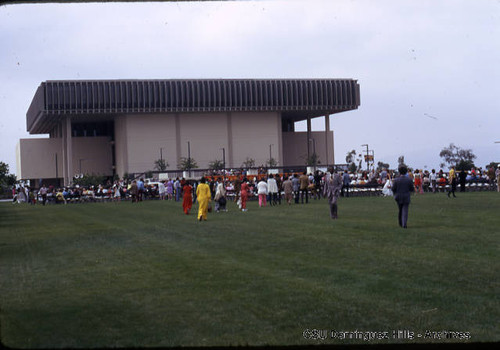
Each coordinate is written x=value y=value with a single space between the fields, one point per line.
x=452 y=155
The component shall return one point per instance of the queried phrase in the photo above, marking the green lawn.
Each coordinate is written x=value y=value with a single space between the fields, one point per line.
x=144 y=275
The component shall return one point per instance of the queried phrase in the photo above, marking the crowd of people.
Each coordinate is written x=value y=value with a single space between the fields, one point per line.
x=268 y=189
x=425 y=181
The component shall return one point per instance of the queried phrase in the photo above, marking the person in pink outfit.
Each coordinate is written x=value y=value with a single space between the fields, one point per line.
x=262 y=192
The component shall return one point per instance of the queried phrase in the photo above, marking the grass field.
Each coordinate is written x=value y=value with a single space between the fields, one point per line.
x=144 y=275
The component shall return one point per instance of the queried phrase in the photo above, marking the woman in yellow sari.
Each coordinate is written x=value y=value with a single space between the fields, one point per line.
x=203 y=196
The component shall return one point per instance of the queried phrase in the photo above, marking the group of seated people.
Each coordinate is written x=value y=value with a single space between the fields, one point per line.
x=361 y=181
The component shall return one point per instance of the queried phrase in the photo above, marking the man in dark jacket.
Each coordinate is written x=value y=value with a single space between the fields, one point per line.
x=402 y=187
x=462 y=175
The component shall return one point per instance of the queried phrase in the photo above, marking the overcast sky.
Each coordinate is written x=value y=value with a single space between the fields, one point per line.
x=428 y=70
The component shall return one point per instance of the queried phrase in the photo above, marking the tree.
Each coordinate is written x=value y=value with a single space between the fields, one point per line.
x=4 y=170
x=313 y=160
x=465 y=165
x=6 y=179
x=350 y=157
x=352 y=167
x=161 y=165
x=271 y=163
x=381 y=166
x=401 y=161
x=188 y=164
x=462 y=159
x=248 y=163
x=216 y=165
x=89 y=180
x=494 y=165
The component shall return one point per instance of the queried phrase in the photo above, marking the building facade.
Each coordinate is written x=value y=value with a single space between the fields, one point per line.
x=124 y=126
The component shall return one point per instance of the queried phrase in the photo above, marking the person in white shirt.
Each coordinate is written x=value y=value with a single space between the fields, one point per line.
x=433 y=178
x=162 y=190
x=220 y=197
x=177 y=189
x=262 y=192
x=272 y=188
x=497 y=174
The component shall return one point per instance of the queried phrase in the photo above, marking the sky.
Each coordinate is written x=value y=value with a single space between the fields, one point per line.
x=428 y=70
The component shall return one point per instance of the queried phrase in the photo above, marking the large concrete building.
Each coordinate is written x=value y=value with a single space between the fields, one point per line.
x=124 y=126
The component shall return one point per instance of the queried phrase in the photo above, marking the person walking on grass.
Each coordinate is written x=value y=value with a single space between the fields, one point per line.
x=244 y=194
x=453 y=182
x=141 y=189
x=262 y=192
x=220 y=197
x=433 y=178
x=296 y=187
x=288 y=189
x=203 y=196
x=187 y=197
x=331 y=190
x=272 y=189
x=402 y=187
x=462 y=179
x=162 y=190
x=134 y=192
x=304 y=187
x=497 y=174
x=417 y=177
x=346 y=182
x=237 y=190
x=177 y=189
x=170 y=189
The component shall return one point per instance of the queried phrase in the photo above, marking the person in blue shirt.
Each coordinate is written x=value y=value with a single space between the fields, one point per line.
x=140 y=189
x=346 y=181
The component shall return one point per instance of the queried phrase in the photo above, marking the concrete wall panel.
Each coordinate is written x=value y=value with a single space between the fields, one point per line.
x=207 y=134
x=252 y=134
x=146 y=134
x=92 y=155
x=38 y=157
x=295 y=147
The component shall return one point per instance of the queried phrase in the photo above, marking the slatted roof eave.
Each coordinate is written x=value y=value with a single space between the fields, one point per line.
x=300 y=98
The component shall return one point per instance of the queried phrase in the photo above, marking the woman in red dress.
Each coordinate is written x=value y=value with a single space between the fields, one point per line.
x=417 y=177
x=244 y=194
x=187 y=197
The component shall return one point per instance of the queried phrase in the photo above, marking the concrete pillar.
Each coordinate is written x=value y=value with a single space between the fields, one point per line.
x=67 y=149
x=280 y=139
x=327 y=131
x=229 y=151
x=308 y=137
x=121 y=147
x=178 y=140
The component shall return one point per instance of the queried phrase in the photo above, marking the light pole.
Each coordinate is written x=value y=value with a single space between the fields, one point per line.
x=270 y=154
x=315 y=158
x=161 y=154
x=366 y=159
x=81 y=159
x=189 y=158
x=223 y=162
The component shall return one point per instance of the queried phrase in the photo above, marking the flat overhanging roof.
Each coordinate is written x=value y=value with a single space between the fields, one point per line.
x=296 y=99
